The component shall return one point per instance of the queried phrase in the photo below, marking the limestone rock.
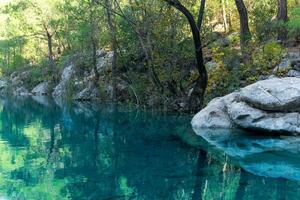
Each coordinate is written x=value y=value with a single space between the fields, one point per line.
x=271 y=105
x=42 y=89
x=66 y=79
x=215 y=114
x=251 y=118
x=278 y=94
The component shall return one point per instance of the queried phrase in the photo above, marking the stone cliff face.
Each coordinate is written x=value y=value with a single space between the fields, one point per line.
x=271 y=105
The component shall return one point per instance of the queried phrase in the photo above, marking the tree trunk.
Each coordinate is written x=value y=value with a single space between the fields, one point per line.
x=224 y=16
x=114 y=47
x=94 y=59
x=229 y=17
x=50 y=48
x=196 y=96
x=282 y=16
x=245 y=34
x=52 y=69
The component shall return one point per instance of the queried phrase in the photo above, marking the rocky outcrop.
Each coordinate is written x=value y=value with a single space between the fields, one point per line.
x=88 y=93
x=81 y=83
x=104 y=61
x=289 y=65
x=74 y=82
x=66 y=79
x=273 y=94
x=17 y=83
x=215 y=114
x=271 y=105
x=42 y=89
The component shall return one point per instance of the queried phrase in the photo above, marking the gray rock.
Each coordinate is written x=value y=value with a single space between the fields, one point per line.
x=3 y=86
x=285 y=65
x=296 y=64
x=89 y=93
x=251 y=118
x=271 y=105
x=278 y=94
x=66 y=79
x=223 y=42
x=265 y=77
x=104 y=62
x=42 y=89
x=215 y=114
x=293 y=73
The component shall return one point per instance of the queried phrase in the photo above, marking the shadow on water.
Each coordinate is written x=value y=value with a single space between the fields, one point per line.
x=50 y=150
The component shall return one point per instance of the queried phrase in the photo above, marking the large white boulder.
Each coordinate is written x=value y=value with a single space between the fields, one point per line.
x=271 y=105
x=215 y=114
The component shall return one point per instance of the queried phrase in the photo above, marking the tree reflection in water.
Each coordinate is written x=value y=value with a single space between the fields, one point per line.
x=87 y=151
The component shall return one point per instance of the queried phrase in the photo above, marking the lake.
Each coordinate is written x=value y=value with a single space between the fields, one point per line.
x=50 y=150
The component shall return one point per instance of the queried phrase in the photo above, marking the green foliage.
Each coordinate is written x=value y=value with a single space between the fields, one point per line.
x=273 y=52
x=294 y=23
x=149 y=34
x=261 y=19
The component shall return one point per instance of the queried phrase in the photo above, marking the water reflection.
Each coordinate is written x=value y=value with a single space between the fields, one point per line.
x=50 y=150
x=268 y=156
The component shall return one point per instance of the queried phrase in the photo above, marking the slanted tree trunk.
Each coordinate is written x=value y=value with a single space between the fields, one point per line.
x=282 y=16
x=196 y=96
x=245 y=34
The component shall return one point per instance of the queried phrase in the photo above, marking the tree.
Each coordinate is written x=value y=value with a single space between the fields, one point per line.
x=196 y=96
x=282 y=17
x=38 y=20
x=245 y=34
x=113 y=36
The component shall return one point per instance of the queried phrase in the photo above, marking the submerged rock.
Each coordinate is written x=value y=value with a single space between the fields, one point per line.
x=3 y=86
x=271 y=105
x=259 y=155
x=21 y=91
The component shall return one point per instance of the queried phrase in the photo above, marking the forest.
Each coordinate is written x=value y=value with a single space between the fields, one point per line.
x=97 y=98
x=168 y=53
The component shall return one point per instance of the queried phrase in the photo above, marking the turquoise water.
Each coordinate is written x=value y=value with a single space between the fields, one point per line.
x=51 y=151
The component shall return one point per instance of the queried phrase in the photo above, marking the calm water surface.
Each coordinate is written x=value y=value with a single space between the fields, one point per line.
x=85 y=151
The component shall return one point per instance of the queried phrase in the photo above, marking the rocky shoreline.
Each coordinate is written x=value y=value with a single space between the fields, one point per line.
x=74 y=82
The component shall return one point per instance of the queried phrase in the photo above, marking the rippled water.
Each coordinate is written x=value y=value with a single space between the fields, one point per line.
x=85 y=151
